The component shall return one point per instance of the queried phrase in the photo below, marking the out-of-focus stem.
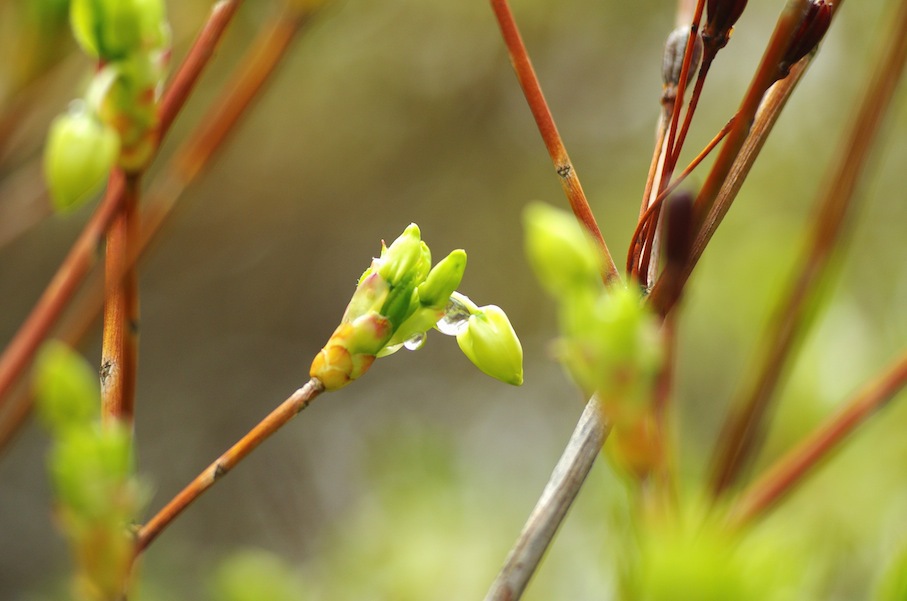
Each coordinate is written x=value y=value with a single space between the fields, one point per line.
x=189 y=160
x=519 y=57
x=736 y=158
x=566 y=480
x=792 y=469
x=20 y=351
x=743 y=431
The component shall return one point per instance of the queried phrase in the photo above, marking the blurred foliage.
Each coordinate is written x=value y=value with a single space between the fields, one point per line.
x=407 y=110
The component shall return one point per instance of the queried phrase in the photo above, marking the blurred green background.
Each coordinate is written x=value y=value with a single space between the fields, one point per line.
x=413 y=483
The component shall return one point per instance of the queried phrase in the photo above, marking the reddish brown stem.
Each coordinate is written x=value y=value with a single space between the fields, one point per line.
x=547 y=128
x=189 y=160
x=286 y=411
x=119 y=351
x=682 y=84
x=792 y=469
x=743 y=431
x=641 y=237
x=737 y=156
x=20 y=351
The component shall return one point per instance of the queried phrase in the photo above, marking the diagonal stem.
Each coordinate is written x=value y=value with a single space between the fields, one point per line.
x=286 y=411
x=743 y=432
x=83 y=254
x=792 y=469
x=187 y=163
x=529 y=82
x=564 y=484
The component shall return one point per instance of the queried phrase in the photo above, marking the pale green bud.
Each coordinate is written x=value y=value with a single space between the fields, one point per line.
x=370 y=295
x=113 y=29
x=79 y=155
x=560 y=250
x=611 y=343
x=406 y=259
x=66 y=388
x=490 y=342
x=89 y=465
x=442 y=280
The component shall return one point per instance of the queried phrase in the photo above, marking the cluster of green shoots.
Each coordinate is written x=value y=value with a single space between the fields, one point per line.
x=116 y=121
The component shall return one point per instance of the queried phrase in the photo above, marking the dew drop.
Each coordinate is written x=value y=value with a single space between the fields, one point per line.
x=415 y=342
x=455 y=318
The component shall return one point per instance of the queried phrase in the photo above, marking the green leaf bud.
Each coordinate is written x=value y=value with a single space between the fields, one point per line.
x=442 y=280
x=560 y=251
x=113 y=29
x=406 y=259
x=89 y=466
x=611 y=343
x=79 y=155
x=490 y=342
x=66 y=388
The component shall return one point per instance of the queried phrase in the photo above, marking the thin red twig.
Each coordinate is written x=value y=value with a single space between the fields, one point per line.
x=791 y=470
x=525 y=73
x=20 y=351
x=286 y=411
x=742 y=433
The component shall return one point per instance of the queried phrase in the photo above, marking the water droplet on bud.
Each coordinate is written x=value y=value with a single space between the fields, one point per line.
x=455 y=318
x=415 y=342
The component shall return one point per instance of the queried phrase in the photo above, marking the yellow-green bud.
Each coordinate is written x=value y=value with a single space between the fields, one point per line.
x=66 y=388
x=490 y=342
x=79 y=155
x=113 y=29
x=560 y=251
x=442 y=280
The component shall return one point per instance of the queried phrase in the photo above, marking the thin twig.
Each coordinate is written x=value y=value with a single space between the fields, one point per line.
x=286 y=411
x=20 y=351
x=564 y=484
x=189 y=160
x=532 y=90
x=766 y=117
x=743 y=431
x=119 y=350
x=791 y=470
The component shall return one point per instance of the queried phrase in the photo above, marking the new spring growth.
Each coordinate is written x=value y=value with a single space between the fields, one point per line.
x=117 y=122
x=95 y=491
x=609 y=342
x=397 y=300
x=80 y=152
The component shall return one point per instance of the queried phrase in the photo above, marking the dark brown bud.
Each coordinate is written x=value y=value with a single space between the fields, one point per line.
x=675 y=48
x=678 y=230
x=719 y=22
x=812 y=29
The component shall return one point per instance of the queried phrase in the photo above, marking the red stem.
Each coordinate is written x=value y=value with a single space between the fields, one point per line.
x=547 y=128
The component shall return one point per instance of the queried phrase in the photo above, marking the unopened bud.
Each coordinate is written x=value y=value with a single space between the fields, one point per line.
x=560 y=250
x=114 y=29
x=815 y=23
x=721 y=15
x=79 y=155
x=490 y=342
x=672 y=62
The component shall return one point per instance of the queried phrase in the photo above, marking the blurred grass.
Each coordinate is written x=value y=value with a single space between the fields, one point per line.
x=407 y=110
